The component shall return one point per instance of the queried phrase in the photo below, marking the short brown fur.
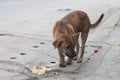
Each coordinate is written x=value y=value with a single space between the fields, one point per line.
x=66 y=33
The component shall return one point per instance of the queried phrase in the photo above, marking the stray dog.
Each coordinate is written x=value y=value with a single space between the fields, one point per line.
x=66 y=33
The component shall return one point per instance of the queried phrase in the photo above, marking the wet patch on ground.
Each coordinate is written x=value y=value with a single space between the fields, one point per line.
x=15 y=71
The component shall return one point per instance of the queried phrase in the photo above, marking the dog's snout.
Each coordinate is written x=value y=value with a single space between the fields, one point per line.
x=72 y=55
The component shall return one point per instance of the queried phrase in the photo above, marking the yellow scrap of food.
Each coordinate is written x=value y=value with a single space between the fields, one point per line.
x=39 y=70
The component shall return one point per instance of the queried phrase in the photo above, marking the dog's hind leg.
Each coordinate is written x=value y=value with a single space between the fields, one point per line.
x=77 y=44
x=84 y=36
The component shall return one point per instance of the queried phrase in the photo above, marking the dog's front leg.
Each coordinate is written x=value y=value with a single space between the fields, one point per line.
x=69 y=61
x=83 y=38
x=62 y=60
x=77 y=49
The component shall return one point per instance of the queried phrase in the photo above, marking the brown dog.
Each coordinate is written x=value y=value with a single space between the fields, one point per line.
x=66 y=33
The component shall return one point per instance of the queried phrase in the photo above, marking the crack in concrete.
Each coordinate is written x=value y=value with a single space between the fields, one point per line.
x=12 y=35
x=38 y=35
x=7 y=35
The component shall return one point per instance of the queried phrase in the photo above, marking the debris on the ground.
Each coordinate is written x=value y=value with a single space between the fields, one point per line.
x=96 y=51
x=40 y=70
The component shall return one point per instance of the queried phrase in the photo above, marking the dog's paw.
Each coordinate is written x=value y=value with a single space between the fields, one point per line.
x=75 y=58
x=61 y=65
x=79 y=61
x=68 y=63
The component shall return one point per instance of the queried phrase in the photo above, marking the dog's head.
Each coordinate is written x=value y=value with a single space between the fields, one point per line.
x=66 y=45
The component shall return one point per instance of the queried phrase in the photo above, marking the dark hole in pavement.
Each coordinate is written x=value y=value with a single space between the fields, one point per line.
x=13 y=58
x=68 y=9
x=53 y=62
x=22 y=53
x=6 y=35
x=35 y=46
x=42 y=43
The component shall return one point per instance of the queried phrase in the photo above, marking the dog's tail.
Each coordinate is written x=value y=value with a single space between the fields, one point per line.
x=97 y=22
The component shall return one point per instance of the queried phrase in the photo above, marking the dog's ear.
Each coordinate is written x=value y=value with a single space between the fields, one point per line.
x=56 y=43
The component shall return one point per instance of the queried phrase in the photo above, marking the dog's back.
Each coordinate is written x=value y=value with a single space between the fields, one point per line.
x=79 y=20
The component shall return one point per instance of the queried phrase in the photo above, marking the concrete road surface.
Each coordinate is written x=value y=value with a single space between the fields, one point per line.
x=26 y=40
